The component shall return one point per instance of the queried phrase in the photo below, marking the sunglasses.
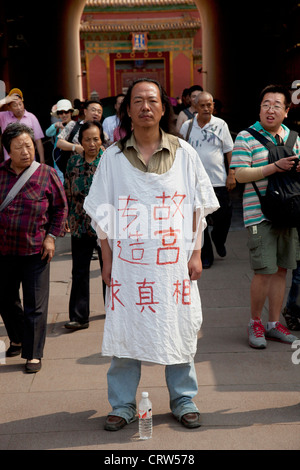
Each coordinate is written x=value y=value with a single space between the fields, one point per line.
x=59 y=113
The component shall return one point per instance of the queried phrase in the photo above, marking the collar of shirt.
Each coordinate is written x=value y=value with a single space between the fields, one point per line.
x=258 y=127
x=212 y=122
x=9 y=169
x=162 y=159
x=164 y=143
x=12 y=116
x=82 y=161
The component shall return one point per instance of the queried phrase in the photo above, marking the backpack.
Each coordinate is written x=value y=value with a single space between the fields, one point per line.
x=188 y=113
x=60 y=156
x=281 y=203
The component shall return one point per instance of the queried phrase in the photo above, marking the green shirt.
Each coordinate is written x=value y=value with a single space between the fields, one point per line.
x=78 y=180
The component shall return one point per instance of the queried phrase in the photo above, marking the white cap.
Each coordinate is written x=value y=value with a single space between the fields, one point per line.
x=145 y=394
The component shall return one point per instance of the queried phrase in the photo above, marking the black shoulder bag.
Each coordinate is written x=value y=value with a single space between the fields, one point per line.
x=62 y=156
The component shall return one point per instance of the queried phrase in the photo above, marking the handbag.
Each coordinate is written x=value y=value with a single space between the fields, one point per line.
x=19 y=184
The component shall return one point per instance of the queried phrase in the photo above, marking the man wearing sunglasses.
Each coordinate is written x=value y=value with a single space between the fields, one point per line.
x=92 y=112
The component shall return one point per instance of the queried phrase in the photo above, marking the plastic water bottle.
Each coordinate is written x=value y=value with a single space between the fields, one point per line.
x=145 y=417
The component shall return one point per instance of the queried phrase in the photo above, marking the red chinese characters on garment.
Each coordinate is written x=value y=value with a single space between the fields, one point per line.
x=169 y=252
x=133 y=249
x=168 y=207
x=127 y=210
x=136 y=250
x=146 y=295
x=182 y=292
x=177 y=199
x=163 y=211
x=114 y=293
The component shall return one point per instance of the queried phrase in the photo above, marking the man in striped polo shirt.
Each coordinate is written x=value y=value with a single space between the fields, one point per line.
x=272 y=250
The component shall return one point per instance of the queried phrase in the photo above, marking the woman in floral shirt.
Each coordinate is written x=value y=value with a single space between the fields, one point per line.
x=78 y=179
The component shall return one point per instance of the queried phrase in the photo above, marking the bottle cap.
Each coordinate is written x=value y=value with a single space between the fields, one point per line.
x=145 y=394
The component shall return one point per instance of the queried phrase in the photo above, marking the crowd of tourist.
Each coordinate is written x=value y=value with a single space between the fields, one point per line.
x=170 y=161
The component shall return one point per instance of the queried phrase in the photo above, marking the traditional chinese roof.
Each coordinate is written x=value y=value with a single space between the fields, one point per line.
x=181 y=20
x=125 y=25
x=133 y=3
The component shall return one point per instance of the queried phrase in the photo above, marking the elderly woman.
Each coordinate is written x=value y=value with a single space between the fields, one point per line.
x=29 y=226
x=78 y=179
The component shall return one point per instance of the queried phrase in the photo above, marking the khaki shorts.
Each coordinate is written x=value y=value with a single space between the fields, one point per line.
x=271 y=247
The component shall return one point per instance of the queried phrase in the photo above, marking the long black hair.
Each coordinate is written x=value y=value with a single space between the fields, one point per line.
x=167 y=122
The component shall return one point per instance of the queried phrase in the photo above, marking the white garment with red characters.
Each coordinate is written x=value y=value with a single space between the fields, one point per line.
x=153 y=310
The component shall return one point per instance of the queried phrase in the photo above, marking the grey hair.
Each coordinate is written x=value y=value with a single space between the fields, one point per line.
x=200 y=95
x=14 y=130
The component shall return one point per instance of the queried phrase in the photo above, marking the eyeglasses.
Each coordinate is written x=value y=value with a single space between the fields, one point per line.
x=95 y=110
x=63 y=112
x=276 y=107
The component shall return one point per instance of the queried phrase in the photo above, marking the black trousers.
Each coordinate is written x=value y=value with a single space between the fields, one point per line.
x=25 y=324
x=220 y=220
x=82 y=250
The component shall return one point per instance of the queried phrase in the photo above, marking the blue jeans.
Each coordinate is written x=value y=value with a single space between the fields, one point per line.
x=293 y=300
x=123 y=378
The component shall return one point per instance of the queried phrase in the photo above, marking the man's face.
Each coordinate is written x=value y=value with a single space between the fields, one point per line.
x=93 y=112
x=272 y=111
x=204 y=107
x=21 y=152
x=17 y=108
x=146 y=109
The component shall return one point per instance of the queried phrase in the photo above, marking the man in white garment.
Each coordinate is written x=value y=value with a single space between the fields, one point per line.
x=210 y=137
x=143 y=203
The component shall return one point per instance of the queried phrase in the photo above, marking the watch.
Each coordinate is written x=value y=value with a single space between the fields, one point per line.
x=52 y=236
x=73 y=148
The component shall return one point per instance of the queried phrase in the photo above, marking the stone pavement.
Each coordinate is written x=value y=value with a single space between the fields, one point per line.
x=249 y=399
